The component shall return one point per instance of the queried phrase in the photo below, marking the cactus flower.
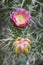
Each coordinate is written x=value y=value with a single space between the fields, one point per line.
x=20 y=18
x=21 y=45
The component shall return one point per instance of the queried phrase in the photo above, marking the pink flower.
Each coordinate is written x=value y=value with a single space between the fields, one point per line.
x=20 y=18
x=22 y=45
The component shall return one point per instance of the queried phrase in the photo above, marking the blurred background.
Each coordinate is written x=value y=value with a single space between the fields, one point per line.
x=8 y=32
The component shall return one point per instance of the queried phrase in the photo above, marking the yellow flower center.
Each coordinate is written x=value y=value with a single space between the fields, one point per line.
x=20 y=18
